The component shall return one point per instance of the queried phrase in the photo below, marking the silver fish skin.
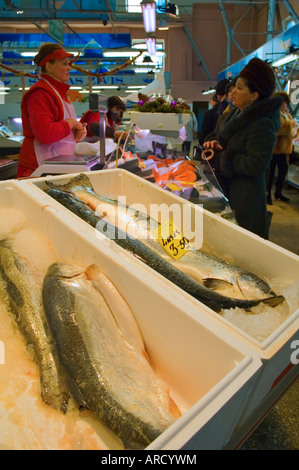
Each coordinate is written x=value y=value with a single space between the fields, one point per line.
x=25 y=303
x=214 y=300
x=112 y=377
x=211 y=271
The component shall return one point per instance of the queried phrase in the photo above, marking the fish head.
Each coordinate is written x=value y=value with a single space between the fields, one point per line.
x=65 y=270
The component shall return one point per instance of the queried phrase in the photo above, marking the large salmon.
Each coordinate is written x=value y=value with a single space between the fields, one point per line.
x=102 y=351
x=209 y=297
x=211 y=271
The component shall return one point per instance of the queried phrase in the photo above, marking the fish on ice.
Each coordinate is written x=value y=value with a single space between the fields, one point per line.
x=211 y=271
x=25 y=303
x=151 y=258
x=103 y=353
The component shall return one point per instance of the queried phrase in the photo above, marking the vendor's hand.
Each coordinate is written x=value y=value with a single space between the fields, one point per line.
x=212 y=144
x=80 y=134
x=78 y=128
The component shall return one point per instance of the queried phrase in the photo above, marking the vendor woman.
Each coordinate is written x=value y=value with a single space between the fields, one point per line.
x=49 y=120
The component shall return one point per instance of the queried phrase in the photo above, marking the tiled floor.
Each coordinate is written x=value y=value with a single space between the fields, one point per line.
x=280 y=428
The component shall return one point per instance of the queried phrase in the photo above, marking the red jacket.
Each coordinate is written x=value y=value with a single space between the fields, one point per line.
x=42 y=119
x=92 y=116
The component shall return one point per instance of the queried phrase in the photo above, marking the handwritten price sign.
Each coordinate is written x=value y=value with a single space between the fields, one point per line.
x=172 y=240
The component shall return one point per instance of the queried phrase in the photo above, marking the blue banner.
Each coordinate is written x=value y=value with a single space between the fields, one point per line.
x=20 y=42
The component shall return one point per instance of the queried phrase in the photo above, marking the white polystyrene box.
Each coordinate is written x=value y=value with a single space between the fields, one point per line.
x=160 y=121
x=230 y=241
x=208 y=372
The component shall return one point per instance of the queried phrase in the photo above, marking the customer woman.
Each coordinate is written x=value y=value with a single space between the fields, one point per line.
x=282 y=150
x=246 y=142
x=116 y=108
x=49 y=120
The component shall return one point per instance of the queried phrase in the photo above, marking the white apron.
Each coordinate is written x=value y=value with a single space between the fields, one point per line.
x=65 y=146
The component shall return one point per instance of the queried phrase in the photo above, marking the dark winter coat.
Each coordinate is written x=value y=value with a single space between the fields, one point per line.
x=248 y=138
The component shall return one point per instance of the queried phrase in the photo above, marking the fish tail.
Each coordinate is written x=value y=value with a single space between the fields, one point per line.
x=80 y=180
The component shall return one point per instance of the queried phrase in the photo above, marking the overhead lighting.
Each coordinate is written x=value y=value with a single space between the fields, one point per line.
x=284 y=60
x=28 y=54
x=149 y=15
x=121 y=54
x=100 y=87
x=209 y=91
x=163 y=26
x=150 y=40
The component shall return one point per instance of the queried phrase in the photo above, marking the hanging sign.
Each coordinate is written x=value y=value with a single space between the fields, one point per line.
x=56 y=30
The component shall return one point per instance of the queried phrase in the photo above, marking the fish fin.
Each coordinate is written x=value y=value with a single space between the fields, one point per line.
x=214 y=283
x=273 y=301
x=80 y=180
x=75 y=392
x=173 y=408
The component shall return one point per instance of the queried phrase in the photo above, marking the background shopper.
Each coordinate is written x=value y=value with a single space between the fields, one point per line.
x=246 y=143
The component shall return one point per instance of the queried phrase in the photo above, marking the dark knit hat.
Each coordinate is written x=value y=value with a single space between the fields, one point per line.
x=260 y=77
x=220 y=87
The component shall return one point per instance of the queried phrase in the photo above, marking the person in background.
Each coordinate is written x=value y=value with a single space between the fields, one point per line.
x=244 y=145
x=50 y=126
x=221 y=95
x=116 y=108
x=283 y=148
x=191 y=133
x=228 y=91
x=209 y=120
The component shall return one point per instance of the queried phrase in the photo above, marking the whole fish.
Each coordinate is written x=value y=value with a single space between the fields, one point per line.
x=102 y=351
x=211 y=271
x=209 y=297
x=25 y=302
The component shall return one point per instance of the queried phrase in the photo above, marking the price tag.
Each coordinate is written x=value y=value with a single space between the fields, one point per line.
x=174 y=187
x=172 y=240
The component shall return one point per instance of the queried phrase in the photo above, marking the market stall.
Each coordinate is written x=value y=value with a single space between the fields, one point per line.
x=230 y=364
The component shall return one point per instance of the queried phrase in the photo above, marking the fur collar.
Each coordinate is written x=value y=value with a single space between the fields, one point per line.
x=237 y=121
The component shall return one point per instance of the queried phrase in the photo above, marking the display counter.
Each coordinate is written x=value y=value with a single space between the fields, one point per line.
x=228 y=370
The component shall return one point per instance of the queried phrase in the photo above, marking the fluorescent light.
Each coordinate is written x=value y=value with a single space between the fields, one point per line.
x=151 y=44
x=28 y=54
x=99 y=87
x=136 y=86
x=149 y=15
x=121 y=54
x=284 y=60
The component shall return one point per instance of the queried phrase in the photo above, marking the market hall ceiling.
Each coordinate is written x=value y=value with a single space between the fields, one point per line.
x=95 y=10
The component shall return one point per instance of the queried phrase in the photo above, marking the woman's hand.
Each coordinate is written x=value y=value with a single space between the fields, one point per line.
x=78 y=128
x=212 y=144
